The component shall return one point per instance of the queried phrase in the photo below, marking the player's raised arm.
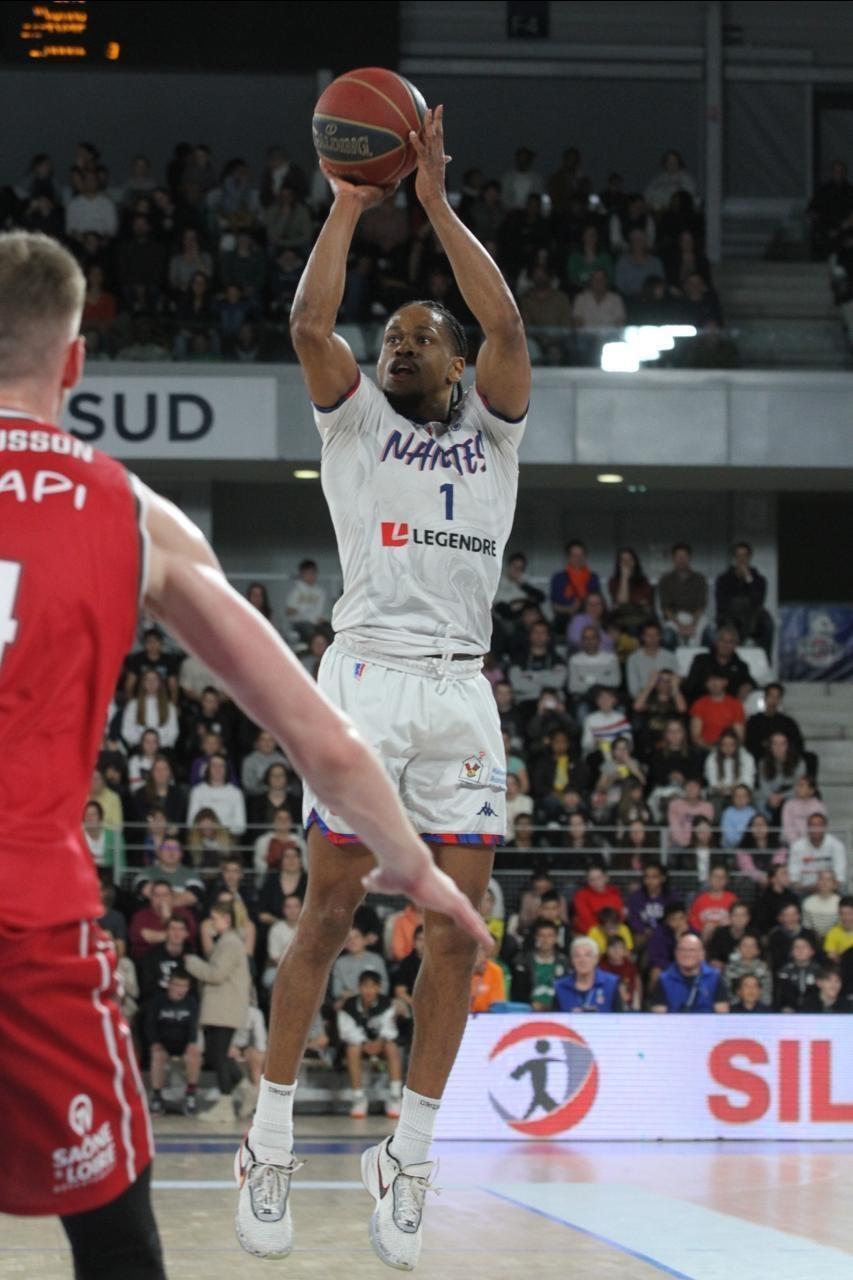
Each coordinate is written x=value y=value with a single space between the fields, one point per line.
x=503 y=364
x=327 y=362
x=186 y=589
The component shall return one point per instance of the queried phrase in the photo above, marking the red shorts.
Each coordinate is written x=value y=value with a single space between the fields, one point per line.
x=75 y=1130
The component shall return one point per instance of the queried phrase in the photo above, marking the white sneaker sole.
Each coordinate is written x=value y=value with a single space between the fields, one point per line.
x=372 y=1230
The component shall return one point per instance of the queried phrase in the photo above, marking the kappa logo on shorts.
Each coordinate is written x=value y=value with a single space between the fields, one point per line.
x=81 y=1114
x=487 y=811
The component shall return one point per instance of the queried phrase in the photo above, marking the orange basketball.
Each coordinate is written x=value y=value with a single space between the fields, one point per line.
x=362 y=122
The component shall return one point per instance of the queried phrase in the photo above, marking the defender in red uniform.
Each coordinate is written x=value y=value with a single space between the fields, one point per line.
x=81 y=542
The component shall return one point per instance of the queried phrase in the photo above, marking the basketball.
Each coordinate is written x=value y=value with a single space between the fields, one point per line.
x=361 y=126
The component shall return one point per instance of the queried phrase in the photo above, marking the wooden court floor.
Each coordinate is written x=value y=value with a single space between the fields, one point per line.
x=701 y=1211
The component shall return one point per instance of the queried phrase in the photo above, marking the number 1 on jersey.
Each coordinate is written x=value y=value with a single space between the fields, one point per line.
x=10 y=575
x=447 y=490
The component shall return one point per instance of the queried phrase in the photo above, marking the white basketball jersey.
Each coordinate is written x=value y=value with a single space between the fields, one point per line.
x=422 y=513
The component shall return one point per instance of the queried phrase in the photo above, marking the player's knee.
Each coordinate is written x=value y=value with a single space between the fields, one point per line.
x=449 y=947
x=324 y=926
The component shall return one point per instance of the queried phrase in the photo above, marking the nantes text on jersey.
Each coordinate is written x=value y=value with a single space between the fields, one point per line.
x=422 y=513
x=70 y=577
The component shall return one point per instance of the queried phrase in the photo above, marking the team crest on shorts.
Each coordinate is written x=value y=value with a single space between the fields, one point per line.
x=358 y=669
x=473 y=769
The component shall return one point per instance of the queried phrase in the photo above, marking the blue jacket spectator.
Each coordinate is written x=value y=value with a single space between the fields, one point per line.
x=586 y=988
x=690 y=985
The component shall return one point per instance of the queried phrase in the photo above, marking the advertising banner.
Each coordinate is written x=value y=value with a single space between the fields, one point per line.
x=540 y=1077
x=816 y=642
x=155 y=416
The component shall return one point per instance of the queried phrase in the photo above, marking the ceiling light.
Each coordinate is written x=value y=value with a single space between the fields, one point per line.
x=306 y=474
x=609 y=477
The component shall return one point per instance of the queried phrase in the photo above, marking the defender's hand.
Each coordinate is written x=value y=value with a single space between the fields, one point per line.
x=363 y=193
x=429 y=145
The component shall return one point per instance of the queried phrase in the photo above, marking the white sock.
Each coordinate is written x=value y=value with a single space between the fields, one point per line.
x=271 y=1134
x=413 y=1135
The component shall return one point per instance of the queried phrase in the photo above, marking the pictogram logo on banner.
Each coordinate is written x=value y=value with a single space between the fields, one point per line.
x=544 y=1078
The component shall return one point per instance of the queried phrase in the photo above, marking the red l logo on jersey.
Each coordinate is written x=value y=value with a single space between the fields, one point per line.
x=394 y=535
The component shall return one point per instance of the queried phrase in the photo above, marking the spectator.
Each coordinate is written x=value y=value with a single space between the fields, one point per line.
x=275 y=796
x=535 y=971
x=244 y=266
x=726 y=937
x=148 y=924
x=368 y=1029
x=741 y=593
x=617 y=960
x=151 y=709
x=684 y=809
x=815 y=852
x=672 y=177
x=540 y=668
x=588 y=258
x=160 y=961
x=112 y=921
x=778 y=771
x=141 y=265
x=690 y=985
x=220 y=795
x=685 y=260
x=701 y=308
x=351 y=964
x=284 y=277
x=288 y=222
x=717 y=711
x=722 y=660
x=675 y=758
x=544 y=305
x=171 y=1030
x=839 y=939
x=635 y=265
x=821 y=910
x=232 y=310
x=90 y=210
x=736 y=817
x=761 y=726
x=607 y=723
x=591 y=615
x=597 y=307
x=221 y=894
x=798 y=808
x=514 y=591
x=648 y=660
x=160 y=791
x=631 y=592
x=745 y=959
x=521 y=181
x=211 y=745
x=99 y=310
x=105 y=845
x=592 y=897
x=683 y=599
x=290 y=879
x=781 y=940
x=191 y=261
x=508 y=714
x=660 y=950
x=610 y=925
x=587 y=988
x=566 y=181
x=592 y=666
x=195 y=310
x=257 y=763
x=235 y=204
x=521 y=924
x=728 y=766
x=225 y=997
x=406 y=975
x=760 y=850
x=618 y=768
x=271 y=847
x=711 y=908
x=405 y=925
x=280 y=936
x=571 y=586
x=797 y=977
x=830 y=995
x=306 y=605
x=703 y=855
x=488 y=984
x=558 y=763
x=488 y=213
x=776 y=895
x=151 y=657
x=195 y=679
x=748 y=992
x=657 y=705
x=141 y=763
x=207 y=839
x=168 y=867
x=646 y=904
x=829 y=209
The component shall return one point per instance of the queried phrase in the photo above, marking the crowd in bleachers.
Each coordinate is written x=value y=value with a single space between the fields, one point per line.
x=201 y=262
x=667 y=844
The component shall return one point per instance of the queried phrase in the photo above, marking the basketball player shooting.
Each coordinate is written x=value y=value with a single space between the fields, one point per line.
x=81 y=543
x=421 y=481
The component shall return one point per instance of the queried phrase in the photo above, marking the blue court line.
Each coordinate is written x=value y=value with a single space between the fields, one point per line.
x=222 y=1146
x=593 y=1235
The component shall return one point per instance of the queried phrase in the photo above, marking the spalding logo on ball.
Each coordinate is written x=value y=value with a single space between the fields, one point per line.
x=362 y=123
x=545 y=1078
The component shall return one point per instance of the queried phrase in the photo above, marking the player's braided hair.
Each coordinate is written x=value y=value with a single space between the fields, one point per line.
x=457 y=336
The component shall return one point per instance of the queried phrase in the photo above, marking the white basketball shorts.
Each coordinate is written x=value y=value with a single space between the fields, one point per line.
x=436 y=729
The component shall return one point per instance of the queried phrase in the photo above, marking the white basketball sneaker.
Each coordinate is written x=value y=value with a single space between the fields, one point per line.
x=263 y=1221
x=395 y=1227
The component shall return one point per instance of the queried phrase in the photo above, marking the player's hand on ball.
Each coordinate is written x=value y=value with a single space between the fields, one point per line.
x=435 y=891
x=429 y=145
x=366 y=195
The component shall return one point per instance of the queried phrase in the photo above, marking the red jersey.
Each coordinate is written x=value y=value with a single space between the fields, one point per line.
x=70 y=579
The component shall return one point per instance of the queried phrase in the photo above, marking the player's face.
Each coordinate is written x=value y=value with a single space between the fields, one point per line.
x=417 y=358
